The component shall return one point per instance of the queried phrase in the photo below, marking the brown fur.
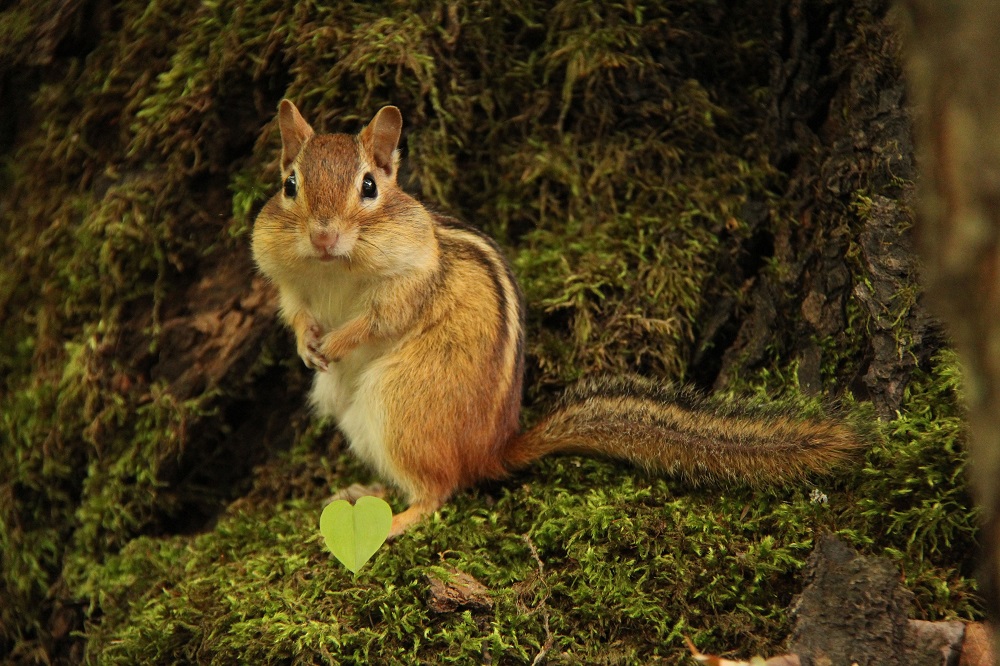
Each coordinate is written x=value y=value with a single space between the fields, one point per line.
x=416 y=325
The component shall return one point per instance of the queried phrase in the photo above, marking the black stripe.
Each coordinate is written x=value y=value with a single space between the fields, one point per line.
x=449 y=222
x=452 y=248
x=670 y=393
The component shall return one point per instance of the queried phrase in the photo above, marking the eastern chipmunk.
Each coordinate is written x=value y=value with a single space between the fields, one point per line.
x=414 y=325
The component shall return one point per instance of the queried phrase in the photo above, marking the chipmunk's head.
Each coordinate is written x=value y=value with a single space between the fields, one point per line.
x=339 y=202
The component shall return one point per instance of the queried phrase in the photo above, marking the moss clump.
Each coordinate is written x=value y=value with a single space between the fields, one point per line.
x=913 y=491
x=620 y=151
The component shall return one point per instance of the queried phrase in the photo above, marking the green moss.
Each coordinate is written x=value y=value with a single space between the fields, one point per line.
x=17 y=30
x=625 y=566
x=619 y=566
x=913 y=499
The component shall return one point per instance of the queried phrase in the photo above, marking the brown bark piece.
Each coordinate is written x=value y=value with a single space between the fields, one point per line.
x=940 y=640
x=460 y=591
x=854 y=611
x=218 y=331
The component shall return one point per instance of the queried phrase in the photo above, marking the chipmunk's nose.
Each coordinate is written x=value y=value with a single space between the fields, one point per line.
x=325 y=241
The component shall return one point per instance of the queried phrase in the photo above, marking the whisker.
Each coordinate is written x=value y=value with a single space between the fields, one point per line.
x=371 y=244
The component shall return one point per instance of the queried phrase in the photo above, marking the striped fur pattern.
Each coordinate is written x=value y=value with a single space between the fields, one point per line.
x=414 y=325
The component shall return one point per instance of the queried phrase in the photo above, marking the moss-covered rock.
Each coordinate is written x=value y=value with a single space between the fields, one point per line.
x=695 y=192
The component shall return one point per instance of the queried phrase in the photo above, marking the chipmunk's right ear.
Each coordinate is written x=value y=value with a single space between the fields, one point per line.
x=295 y=131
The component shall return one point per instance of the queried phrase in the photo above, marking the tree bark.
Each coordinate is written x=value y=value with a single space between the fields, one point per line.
x=952 y=52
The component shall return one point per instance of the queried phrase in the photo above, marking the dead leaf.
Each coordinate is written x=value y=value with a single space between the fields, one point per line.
x=977 y=650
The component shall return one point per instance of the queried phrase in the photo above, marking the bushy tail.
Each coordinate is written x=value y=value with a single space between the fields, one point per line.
x=664 y=428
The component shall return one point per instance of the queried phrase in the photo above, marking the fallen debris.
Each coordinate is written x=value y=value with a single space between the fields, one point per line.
x=457 y=590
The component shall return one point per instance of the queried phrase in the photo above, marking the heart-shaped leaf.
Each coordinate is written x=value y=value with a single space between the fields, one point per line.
x=354 y=532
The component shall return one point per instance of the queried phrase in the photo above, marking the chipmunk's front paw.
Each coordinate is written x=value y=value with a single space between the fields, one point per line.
x=309 y=348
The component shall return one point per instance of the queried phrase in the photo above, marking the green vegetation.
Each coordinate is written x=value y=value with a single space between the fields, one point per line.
x=617 y=150
x=619 y=566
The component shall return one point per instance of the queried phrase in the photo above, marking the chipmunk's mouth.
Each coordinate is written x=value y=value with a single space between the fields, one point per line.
x=330 y=258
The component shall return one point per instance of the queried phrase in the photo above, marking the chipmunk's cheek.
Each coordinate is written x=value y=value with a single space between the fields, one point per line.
x=348 y=241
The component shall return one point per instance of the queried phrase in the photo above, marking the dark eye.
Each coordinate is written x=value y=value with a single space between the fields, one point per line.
x=368 y=189
x=291 y=186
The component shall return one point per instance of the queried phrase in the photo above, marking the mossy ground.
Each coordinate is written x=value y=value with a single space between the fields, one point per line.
x=598 y=562
x=615 y=149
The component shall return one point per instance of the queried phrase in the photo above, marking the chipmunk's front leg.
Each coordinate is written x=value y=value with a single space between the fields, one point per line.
x=338 y=343
x=307 y=340
x=385 y=317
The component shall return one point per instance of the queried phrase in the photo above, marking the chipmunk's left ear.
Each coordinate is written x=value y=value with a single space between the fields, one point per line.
x=295 y=131
x=381 y=137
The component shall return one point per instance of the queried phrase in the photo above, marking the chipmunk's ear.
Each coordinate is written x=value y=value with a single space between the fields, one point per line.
x=382 y=136
x=295 y=131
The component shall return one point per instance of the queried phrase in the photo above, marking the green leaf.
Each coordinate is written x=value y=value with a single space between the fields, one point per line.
x=354 y=532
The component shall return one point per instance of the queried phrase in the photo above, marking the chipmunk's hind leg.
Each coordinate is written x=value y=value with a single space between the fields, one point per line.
x=416 y=512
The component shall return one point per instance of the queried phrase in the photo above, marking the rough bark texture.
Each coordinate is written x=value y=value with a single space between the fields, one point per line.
x=455 y=590
x=853 y=611
x=840 y=128
x=952 y=55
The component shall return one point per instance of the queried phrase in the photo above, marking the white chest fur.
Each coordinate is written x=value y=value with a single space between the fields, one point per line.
x=351 y=390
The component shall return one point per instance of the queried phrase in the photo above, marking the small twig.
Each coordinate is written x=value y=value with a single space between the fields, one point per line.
x=549 y=641
x=549 y=638
x=541 y=577
x=534 y=553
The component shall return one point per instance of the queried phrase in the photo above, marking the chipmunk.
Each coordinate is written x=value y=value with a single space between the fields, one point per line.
x=414 y=324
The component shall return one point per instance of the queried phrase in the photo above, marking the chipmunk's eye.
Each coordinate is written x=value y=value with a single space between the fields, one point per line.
x=368 y=189
x=291 y=186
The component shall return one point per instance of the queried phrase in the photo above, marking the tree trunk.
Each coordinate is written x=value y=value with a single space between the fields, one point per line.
x=952 y=51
